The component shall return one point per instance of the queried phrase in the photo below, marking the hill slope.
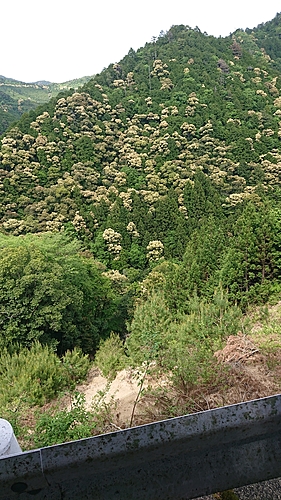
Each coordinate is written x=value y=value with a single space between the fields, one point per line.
x=267 y=36
x=180 y=134
x=18 y=97
x=161 y=180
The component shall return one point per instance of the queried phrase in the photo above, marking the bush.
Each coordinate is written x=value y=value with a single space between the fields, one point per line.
x=56 y=426
x=182 y=344
x=37 y=375
x=110 y=357
x=59 y=426
x=76 y=365
x=148 y=331
x=195 y=337
x=188 y=359
x=33 y=375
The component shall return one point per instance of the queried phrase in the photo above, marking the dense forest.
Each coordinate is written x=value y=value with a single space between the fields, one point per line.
x=17 y=98
x=140 y=215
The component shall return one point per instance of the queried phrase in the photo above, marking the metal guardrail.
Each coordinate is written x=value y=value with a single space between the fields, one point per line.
x=175 y=459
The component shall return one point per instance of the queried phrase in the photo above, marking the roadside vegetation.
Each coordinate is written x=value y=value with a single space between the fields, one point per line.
x=140 y=230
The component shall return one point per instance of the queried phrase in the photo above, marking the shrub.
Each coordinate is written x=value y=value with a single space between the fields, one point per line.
x=148 y=331
x=110 y=357
x=33 y=375
x=56 y=426
x=76 y=365
x=188 y=359
x=182 y=344
x=37 y=375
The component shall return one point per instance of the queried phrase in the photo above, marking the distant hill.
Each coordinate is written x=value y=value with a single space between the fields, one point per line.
x=42 y=82
x=18 y=97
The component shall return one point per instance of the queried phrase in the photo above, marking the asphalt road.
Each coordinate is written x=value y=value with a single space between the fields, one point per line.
x=266 y=490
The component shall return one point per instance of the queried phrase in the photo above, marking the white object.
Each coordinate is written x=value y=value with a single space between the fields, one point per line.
x=8 y=442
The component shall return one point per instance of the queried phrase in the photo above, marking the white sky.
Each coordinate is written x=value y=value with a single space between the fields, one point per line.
x=59 y=40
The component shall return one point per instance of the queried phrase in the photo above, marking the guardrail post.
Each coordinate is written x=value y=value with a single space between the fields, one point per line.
x=8 y=441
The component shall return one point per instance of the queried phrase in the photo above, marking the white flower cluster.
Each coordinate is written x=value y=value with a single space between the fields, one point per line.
x=166 y=84
x=112 y=239
x=155 y=250
x=261 y=92
x=131 y=228
x=79 y=223
x=159 y=69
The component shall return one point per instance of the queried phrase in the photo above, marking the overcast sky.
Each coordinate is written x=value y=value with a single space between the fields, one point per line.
x=59 y=40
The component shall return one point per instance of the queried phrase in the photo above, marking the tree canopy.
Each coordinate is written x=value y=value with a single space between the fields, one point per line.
x=169 y=157
x=50 y=291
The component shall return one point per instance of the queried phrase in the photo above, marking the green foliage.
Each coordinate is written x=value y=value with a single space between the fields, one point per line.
x=59 y=426
x=176 y=145
x=202 y=199
x=76 y=365
x=183 y=130
x=190 y=361
x=182 y=345
x=110 y=356
x=250 y=264
x=50 y=292
x=36 y=375
x=215 y=319
x=193 y=340
x=19 y=98
x=198 y=271
x=148 y=330
x=56 y=426
x=267 y=36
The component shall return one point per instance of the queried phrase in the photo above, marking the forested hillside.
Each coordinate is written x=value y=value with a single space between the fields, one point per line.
x=180 y=135
x=267 y=36
x=17 y=97
x=147 y=204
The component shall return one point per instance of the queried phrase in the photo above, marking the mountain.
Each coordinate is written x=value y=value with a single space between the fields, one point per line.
x=267 y=36
x=18 y=97
x=181 y=135
x=140 y=220
x=42 y=82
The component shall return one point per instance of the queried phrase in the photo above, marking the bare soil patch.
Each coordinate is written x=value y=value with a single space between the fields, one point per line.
x=246 y=370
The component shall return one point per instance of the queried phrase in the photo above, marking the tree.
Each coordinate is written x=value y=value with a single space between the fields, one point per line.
x=147 y=339
x=198 y=272
x=202 y=199
x=249 y=265
x=50 y=292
